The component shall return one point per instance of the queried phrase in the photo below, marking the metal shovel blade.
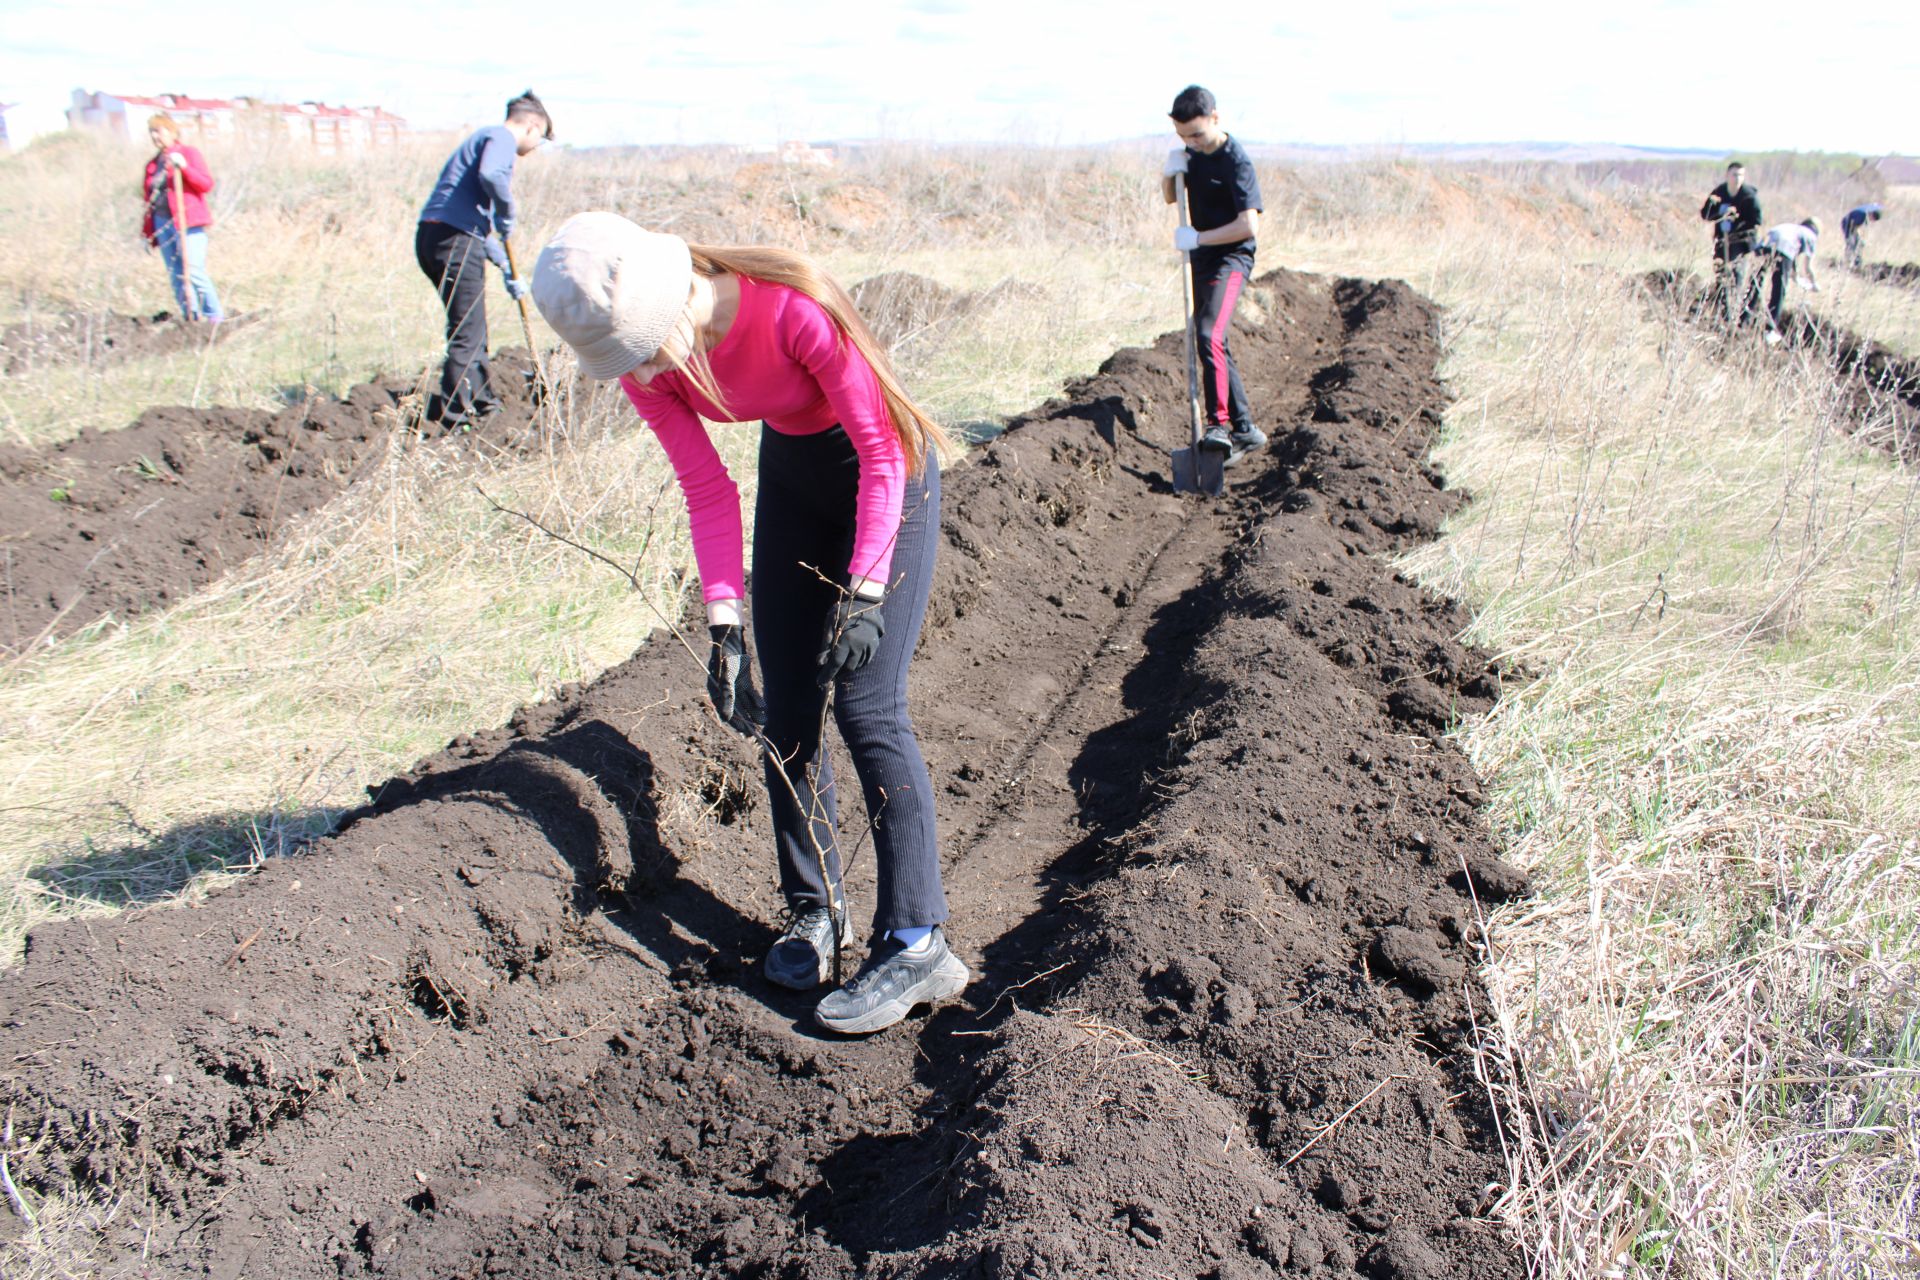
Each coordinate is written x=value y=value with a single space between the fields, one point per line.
x=1197 y=470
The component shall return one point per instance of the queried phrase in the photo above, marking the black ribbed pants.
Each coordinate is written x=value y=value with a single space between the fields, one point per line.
x=456 y=262
x=802 y=533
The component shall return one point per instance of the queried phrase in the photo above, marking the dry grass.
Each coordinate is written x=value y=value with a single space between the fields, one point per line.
x=1701 y=1033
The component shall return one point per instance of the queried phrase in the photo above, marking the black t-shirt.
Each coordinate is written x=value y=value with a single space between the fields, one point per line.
x=1738 y=215
x=1219 y=186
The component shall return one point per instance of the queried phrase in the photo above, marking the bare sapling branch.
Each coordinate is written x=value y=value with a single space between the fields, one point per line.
x=810 y=812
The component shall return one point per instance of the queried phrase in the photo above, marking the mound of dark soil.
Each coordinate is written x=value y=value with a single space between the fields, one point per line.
x=1881 y=387
x=114 y=522
x=899 y=305
x=100 y=339
x=1906 y=274
x=1210 y=858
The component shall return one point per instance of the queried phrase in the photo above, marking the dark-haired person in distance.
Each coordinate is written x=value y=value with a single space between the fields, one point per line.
x=1733 y=208
x=1223 y=199
x=472 y=200
x=1853 y=228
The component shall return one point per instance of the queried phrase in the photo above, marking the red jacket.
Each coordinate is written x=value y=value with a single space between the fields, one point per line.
x=195 y=181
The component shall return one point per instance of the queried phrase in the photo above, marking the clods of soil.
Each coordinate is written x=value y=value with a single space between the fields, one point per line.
x=1212 y=860
x=99 y=339
x=115 y=522
x=1880 y=387
x=899 y=305
x=1905 y=273
x=905 y=309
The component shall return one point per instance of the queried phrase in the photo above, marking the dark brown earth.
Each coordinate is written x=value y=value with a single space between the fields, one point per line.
x=97 y=340
x=1209 y=855
x=114 y=522
x=1905 y=273
x=904 y=309
x=1879 y=388
x=899 y=305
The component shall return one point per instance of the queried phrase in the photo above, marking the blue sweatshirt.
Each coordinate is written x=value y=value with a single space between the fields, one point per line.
x=1857 y=217
x=475 y=190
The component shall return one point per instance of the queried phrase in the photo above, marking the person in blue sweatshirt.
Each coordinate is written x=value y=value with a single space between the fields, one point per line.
x=1853 y=227
x=470 y=209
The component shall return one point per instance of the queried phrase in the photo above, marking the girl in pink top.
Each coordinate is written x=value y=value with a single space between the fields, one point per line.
x=846 y=527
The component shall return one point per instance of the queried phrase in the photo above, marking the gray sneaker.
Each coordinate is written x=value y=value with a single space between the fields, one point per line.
x=1247 y=437
x=802 y=957
x=890 y=984
x=1216 y=441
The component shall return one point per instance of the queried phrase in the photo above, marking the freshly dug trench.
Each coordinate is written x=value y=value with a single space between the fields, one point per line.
x=116 y=522
x=1881 y=387
x=1905 y=273
x=1210 y=857
x=99 y=339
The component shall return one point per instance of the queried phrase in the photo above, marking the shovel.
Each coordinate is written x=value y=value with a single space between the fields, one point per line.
x=180 y=237
x=1195 y=470
x=526 y=320
x=526 y=326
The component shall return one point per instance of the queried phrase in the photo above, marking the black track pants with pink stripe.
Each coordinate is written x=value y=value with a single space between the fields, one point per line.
x=1217 y=281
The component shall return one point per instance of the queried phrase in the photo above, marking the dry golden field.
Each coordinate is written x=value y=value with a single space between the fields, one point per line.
x=1702 y=1037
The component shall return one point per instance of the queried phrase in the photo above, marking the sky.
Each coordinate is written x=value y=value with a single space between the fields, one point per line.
x=1744 y=75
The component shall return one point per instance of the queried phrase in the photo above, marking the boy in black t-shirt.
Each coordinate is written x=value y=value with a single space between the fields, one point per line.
x=1223 y=199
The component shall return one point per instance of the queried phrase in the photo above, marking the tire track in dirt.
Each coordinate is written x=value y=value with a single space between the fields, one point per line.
x=116 y=522
x=1198 y=817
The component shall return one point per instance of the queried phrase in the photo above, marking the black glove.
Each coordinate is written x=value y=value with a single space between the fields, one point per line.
x=730 y=680
x=852 y=640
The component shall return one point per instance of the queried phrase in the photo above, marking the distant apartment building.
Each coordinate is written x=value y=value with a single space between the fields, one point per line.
x=808 y=153
x=315 y=124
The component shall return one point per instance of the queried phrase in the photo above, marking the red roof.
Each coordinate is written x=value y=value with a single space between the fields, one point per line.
x=175 y=101
x=180 y=102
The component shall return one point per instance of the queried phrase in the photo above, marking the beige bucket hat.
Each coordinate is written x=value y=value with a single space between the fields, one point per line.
x=612 y=290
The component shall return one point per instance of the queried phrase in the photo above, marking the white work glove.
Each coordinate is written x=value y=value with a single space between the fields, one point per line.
x=177 y=160
x=1186 y=239
x=1176 y=162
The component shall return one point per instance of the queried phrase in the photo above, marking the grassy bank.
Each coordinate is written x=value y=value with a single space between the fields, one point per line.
x=1700 y=1036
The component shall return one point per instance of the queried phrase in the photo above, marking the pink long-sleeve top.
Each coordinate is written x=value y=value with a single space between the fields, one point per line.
x=784 y=362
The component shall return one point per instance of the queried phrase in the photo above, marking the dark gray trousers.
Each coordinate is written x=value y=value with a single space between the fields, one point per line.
x=456 y=262
x=802 y=534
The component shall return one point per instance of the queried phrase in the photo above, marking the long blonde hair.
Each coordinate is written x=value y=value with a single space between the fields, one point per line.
x=918 y=432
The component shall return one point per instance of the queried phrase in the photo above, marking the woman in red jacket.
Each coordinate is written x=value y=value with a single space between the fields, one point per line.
x=177 y=217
